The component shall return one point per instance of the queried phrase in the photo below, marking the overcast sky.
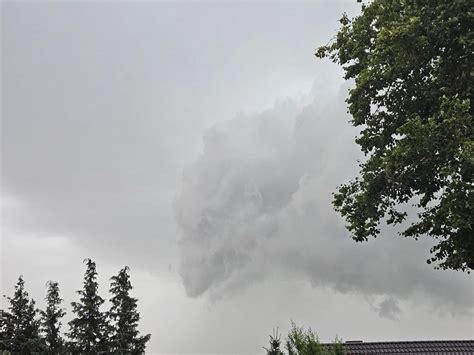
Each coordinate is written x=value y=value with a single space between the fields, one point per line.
x=199 y=144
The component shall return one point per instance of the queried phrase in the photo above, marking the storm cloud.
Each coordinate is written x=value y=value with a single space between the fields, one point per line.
x=257 y=204
x=121 y=140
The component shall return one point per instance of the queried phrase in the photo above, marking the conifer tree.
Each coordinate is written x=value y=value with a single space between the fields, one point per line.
x=21 y=323
x=51 y=319
x=275 y=343
x=6 y=330
x=88 y=330
x=124 y=316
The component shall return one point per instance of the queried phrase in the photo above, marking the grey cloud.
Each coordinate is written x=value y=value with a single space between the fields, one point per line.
x=83 y=154
x=389 y=308
x=257 y=204
x=103 y=104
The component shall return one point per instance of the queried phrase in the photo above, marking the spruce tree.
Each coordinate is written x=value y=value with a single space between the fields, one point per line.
x=88 y=330
x=275 y=343
x=6 y=330
x=51 y=319
x=21 y=323
x=124 y=316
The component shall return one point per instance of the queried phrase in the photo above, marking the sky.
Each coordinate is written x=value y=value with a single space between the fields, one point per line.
x=199 y=143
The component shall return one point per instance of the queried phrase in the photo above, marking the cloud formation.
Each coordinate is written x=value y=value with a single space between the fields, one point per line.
x=103 y=104
x=257 y=204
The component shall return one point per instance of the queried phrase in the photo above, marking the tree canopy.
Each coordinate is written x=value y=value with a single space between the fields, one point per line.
x=275 y=344
x=51 y=318
x=124 y=317
x=88 y=330
x=21 y=328
x=411 y=61
x=302 y=341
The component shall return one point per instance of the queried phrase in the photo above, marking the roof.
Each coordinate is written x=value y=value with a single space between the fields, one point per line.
x=434 y=347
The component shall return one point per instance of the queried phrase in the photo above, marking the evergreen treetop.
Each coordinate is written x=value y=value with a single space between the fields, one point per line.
x=124 y=316
x=51 y=318
x=275 y=343
x=21 y=322
x=88 y=330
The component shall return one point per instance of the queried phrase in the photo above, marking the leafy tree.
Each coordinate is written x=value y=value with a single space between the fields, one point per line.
x=21 y=324
x=124 y=316
x=301 y=342
x=51 y=319
x=412 y=65
x=337 y=347
x=275 y=343
x=304 y=342
x=88 y=330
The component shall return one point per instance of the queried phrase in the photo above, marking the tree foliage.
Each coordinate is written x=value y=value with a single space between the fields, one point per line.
x=51 y=319
x=124 y=317
x=6 y=330
x=21 y=326
x=88 y=330
x=303 y=342
x=275 y=344
x=412 y=65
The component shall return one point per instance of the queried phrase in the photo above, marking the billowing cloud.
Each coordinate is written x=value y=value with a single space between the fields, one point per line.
x=257 y=204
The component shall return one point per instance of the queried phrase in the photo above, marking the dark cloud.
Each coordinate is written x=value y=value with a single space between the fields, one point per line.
x=389 y=308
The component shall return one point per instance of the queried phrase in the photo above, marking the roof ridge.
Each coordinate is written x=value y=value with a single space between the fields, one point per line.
x=413 y=347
